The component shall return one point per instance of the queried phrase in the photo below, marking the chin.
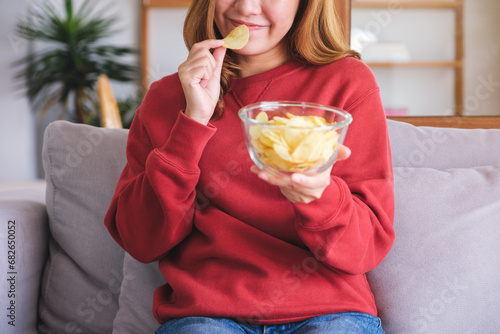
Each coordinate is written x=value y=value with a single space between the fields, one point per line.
x=248 y=50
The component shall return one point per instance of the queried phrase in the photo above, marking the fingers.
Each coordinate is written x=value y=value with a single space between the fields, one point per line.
x=208 y=44
x=201 y=64
x=199 y=69
x=200 y=79
x=297 y=187
x=274 y=179
x=300 y=187
x=344 y=153
x=296 y=197
x=219 y=55
x=295 y=180
x=202 y=50
x=307 y=188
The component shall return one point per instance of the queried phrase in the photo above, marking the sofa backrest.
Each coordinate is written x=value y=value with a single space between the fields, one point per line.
x=440 y=276
x=442 y=148
x=83 y=276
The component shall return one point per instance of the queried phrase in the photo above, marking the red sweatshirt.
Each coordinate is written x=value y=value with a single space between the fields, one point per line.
x=230 y=244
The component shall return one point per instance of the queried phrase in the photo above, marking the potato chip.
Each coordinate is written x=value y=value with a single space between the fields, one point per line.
x=295 y=144
x=262 y=117
x=237 y=38
x=309 y=148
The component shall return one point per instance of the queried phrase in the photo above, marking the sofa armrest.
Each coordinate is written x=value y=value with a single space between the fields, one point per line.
x=24 y=239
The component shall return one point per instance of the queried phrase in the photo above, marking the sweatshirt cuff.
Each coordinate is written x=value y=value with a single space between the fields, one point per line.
x=320 y=214
x=186 y=142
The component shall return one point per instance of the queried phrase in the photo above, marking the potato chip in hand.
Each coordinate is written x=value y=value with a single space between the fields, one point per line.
x=237 y=38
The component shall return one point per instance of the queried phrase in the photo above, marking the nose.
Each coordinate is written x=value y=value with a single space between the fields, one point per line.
x=247 y=7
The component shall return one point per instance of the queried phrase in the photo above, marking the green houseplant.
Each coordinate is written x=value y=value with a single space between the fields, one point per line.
x=74 y=53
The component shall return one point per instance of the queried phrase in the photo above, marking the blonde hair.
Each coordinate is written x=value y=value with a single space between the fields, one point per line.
x=315 y=38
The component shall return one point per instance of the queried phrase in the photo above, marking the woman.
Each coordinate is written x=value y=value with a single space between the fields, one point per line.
x=244 y=251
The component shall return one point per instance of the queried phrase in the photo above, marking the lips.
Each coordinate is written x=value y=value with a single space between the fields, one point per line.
x=250 y=25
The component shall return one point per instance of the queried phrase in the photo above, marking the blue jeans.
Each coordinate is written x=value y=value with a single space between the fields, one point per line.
x=352 y=323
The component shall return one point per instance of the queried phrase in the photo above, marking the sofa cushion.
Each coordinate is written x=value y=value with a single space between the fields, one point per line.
x=83 y=275
x=135 y=314
x=441 y=275
x=442 y=148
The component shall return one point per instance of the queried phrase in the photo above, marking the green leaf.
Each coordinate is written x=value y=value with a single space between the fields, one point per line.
x=74 y=53
x=69 y=10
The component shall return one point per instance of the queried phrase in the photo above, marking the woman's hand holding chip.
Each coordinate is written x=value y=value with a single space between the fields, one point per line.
x=200 y=79
x=299 y=187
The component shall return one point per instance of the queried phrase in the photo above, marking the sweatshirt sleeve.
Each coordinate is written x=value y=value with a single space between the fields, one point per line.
x=152 y=208
x=350 y=228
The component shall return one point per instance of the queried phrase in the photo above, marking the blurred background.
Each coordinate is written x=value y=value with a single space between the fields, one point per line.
x=391 y=35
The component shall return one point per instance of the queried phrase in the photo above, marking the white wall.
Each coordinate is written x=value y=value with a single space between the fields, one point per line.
x=18 y=142
x=166 y=44
x=17 y=135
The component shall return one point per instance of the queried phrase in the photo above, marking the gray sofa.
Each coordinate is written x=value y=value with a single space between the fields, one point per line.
x=62 y=273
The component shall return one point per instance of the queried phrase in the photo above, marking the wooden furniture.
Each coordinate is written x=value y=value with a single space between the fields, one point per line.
x=109 y=112
x=344 y=12
x=463 y=122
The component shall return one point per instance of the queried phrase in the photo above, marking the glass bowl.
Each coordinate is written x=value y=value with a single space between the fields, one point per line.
x=291 y=144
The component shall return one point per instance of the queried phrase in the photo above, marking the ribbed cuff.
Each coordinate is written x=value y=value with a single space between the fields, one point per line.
x=320 y=213
x=186 y=142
